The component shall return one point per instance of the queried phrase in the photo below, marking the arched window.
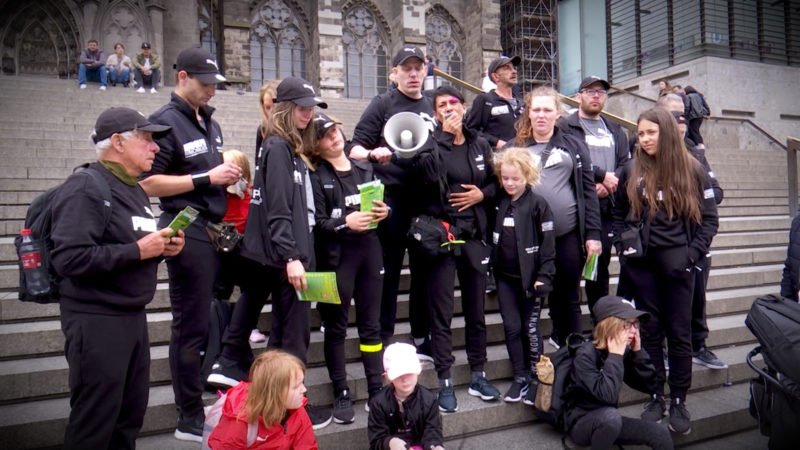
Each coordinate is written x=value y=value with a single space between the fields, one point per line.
x=442 y=34
x=207 y=27
x=366 y=64
x=277 y=48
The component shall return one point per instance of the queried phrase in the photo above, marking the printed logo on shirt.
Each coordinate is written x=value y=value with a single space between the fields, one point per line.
x=495 y=237
x=149 y=211
x=479 y=158
x=508 y=222
x=533 y=249
x=500 y=110
x=481 y=167
x=336 y=213
x=298 y=177
x=255 y=198
x=556 y=157
x=711 y=174
x=599 y=141
x=327 y=186
x=485 y=261
x=708 y=193
x=547 y=226
x=219 y=140
x=660 y=195
x=146 y=224
x=195 y=147
x=351 y=200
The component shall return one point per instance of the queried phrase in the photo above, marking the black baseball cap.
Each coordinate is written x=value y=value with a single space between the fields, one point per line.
x=679 y=117
x=120 y=120
x=299 y=91
x=614 y=306
x=323 y=122
x=145 y=45
x=593 y=79
x=502 y=61
x=200 y=64
x=406 y=52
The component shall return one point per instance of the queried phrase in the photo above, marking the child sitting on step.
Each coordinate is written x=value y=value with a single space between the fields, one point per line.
x=273 y=401
x=404 y=415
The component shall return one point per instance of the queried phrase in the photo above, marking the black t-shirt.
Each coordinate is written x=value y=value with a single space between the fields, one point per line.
x=507 y=255
x=458 y=172
x=352 y=197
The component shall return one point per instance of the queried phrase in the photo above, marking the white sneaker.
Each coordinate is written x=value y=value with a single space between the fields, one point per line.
x=83 y=86
x=102 y=88
x=257 y=336
x=153 y=91
x=140 y=90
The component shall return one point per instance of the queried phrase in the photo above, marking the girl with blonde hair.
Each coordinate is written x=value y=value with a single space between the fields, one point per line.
x=273 y=401
x=523 y=255
x=266 y=98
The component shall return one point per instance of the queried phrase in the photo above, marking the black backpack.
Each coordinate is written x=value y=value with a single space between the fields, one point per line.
x=562 y=366
x=775 y=322
x=39 y=219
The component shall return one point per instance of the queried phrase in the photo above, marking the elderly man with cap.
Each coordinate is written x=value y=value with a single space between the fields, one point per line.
x=608 y=147
x=107 y=248
x=189 y=171
x=146 y=67
x=369 y=144
x=494 y=113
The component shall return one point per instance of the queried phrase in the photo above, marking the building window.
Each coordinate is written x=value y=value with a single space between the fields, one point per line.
x=277 y=48
x=442 y=41
x=205 y=20
x=366 y=64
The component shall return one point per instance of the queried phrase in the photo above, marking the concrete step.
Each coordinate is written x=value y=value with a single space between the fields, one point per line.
x=746 y=223
x=751 y=210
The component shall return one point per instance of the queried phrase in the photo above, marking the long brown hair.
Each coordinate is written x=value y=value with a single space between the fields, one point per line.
x=523 y=126
x=267 y=88
x=671 y=170
x=282 y=124
x=272 y=374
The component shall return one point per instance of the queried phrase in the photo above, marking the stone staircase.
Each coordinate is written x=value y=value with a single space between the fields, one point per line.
x=45 y=125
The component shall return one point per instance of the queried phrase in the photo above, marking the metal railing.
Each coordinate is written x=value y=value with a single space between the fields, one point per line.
x=792 y=146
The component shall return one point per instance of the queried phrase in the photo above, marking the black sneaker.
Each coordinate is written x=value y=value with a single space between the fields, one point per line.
x=655 y=410
x=343 y=408
x=424 y=352
x=706 y=357
x=226 y=373
x=480 y=387
x=447 y=397
x=679 y=419
x=320 y=417
x=190 y=428
x=530 y=396
x=516 y=391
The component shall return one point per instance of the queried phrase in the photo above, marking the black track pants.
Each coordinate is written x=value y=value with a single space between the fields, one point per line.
x=471 y=267
x=663 y=287
x=602 y=428
x=564 y=300
x=359 y=276
x=599 y=288
x=699 y=324
x=520 y=324
x=109 y=378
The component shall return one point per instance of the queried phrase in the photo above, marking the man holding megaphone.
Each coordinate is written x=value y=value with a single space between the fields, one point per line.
x=370 y=143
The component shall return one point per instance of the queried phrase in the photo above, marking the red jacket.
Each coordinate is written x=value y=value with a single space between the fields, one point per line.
x=230 y=433
x=238 y=209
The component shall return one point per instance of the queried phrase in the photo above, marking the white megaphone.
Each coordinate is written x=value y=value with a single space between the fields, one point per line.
x=405 y=133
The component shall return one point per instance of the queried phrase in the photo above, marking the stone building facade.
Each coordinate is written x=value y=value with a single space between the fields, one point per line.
x=342 y=46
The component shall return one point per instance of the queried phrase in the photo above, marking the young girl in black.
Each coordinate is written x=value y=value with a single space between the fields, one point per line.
x=599 y=369
x=668 y=202
x=345 y=243
x=523 y=256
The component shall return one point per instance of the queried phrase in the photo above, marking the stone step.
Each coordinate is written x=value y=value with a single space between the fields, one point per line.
x=42 y=421
x=765 y=223
x=754 y=201
x=751 y=210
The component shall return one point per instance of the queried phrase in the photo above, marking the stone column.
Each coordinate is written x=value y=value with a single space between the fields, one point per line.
x=156 y=13
x=236 y=17
x=181 y=30
x=89 y=17
x=331 y=52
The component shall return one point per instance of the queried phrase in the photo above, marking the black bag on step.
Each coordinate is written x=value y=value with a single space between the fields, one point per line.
x=218 y=320
x=775 y=322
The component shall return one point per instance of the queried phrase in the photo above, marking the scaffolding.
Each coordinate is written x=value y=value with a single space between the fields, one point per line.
x=529 y=29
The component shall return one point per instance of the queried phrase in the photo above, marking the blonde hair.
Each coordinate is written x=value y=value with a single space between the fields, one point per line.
x=524 y=126
x=271 y=375
x=522 y=160
x=282 y=124
x=609 y=327
x=270 y=87
x=240 y=159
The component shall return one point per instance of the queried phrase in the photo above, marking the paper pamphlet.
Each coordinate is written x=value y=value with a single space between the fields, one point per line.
x=183 y=220
x=590 y=269
x=370 y=191
x=321 y=288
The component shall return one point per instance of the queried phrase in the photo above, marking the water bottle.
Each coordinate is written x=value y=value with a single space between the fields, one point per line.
x=37 y=280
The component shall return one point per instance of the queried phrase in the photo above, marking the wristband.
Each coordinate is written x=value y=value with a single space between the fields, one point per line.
x=371 y=158
x=201 y=179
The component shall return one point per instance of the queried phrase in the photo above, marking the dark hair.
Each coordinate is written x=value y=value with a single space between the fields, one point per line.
x=120 y=44
x=671 y=170
x=447 y=90
x=93 y=40
x=690 y=90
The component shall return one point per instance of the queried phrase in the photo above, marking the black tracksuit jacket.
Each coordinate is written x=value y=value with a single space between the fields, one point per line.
x=419 y=424
x=277 y=222
x=328 y=196
x=791 y=268
x=100 y=263
x=582 y=179
x=536 y=242
x=493 y=117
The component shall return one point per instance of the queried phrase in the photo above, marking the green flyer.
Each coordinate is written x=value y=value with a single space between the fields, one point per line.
x=370 y=191
x=321 y=288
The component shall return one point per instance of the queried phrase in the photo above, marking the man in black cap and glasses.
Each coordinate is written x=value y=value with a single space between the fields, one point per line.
x=106 y=246
x=189 y=171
